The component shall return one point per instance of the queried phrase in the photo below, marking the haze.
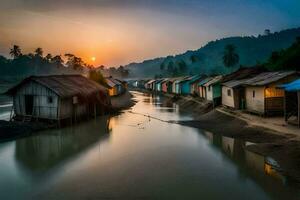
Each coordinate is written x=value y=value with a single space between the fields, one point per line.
x=118 y=32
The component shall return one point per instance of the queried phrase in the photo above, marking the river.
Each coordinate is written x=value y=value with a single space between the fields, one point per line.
x=137 y=155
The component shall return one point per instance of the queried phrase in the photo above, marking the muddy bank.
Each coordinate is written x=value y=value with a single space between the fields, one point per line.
x=122 y=101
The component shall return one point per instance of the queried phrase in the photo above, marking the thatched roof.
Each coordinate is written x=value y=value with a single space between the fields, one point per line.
x=64 y=85
x=111 y=82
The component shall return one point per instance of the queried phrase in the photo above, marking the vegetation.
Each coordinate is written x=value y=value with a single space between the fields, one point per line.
x=208 y=59
x=97 y=77
x=119 y=72
x=288 y=59
x=230 y=57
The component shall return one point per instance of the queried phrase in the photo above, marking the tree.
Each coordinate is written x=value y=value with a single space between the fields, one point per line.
x=193 y=58
x=267 y=32
x=15 y=52
x=162 y=66
x=48 y=57
x=97 y=77
x=182 y=66
x=57 y=60
x=39 y=52
x=170 y=67
x=230 y=57
x=74 y=62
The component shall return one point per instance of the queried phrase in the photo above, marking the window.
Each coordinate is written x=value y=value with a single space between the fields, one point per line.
x=253 y=93
x=229 y=92
x=50 y=100
x=209 y=88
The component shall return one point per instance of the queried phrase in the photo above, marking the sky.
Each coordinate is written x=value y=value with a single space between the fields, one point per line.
x=118 y=32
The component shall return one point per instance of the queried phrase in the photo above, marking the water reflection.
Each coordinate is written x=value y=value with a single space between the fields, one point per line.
x=263 y=169
x=49 y=148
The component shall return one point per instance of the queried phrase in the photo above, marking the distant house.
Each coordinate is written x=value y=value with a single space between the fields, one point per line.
x=292 y=102
x=164 y=85
x=186 y=84
x=58 y=97
x=233 y=92
x=115 y=87
x=149 y=84
x=262 y=93
x=194 y=88
x=213 y=90
x=178 y=85
x=158 y=85
x=202 y=89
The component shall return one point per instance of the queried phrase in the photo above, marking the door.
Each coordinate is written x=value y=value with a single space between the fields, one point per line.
x=28 y=104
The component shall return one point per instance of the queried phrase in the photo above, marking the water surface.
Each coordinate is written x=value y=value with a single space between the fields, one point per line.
x=137 y=155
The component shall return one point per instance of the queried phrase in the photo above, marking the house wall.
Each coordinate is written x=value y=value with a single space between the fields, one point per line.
x=227 y=100
x=209 y=93
x=185 y=88
x=217 y=91
x=42 y=107
x=257 y=103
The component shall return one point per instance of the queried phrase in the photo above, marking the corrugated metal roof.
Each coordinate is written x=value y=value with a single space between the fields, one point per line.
x=111 y=82
x=267 y=78
x=205 y=81
x=234 y=83
x=293 y=86
x=213 y=81
x=64 y=85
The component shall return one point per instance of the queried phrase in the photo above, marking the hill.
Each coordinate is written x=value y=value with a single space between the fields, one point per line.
x=208 y=59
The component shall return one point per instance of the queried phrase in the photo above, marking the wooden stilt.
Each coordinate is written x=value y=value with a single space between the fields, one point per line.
x=95 y=111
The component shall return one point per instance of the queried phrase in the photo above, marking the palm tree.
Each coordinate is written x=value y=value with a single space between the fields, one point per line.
x=48 y=57
x=57 y=60
x=39 y=52
x=15 y=52
x=230 y=57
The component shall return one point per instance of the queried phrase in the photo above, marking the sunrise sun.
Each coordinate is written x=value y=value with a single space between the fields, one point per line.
x=93 y=58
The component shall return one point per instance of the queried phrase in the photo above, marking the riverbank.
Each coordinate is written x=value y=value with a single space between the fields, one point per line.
x=269 y=140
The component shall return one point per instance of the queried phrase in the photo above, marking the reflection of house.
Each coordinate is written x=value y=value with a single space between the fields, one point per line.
x=58 y=97
x=261 y=92
x=49 y=148
x=292 y=102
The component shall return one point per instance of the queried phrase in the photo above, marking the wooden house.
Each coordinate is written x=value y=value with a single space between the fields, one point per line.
x=194 y=88
x=178 y=84
x=233 y=92
x=149 y=84
x=158 y=87
x=164 y=85
x=262 y=93
x=213 y=90
x=202 y=89
x=292 y=102
x=58 y=97
x=115 y=87
x=186 y=84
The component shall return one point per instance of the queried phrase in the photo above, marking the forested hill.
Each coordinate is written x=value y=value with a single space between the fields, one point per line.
x=208 y=59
